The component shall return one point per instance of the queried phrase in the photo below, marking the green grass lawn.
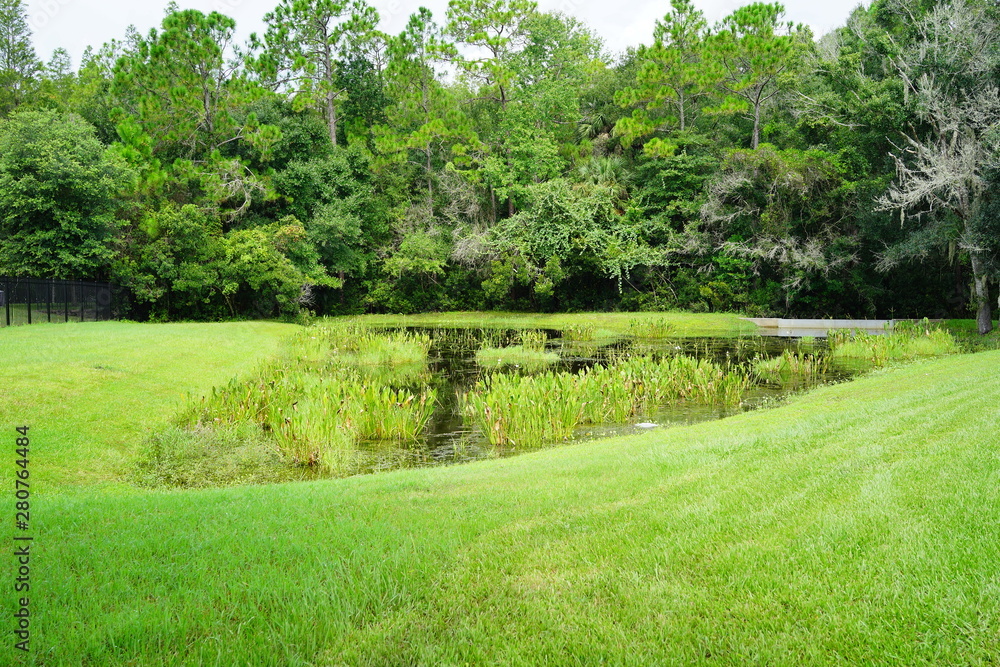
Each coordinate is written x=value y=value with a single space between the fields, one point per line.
x=967 y=334
x=856 y=524
x=92 y=391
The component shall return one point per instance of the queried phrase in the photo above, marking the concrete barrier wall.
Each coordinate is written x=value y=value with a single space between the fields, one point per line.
x=773 y=326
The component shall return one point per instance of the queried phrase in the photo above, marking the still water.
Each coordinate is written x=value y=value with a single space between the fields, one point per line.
x=451 y=437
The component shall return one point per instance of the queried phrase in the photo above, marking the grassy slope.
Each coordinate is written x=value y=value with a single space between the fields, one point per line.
x=91 y=391
x=858 y=524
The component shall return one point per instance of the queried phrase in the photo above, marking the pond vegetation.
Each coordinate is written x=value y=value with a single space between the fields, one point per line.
x=862 y=491
x=523 y=411
x=793 y=367
x=345 y=398
x=530 y=354
x=908 y=341
x=516 y=356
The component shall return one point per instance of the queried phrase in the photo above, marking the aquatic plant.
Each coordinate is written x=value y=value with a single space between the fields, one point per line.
x=359 y=348
x=533 y=339
x=792 y=366
x=527 y=411
x=646 y=328
x=517 y=356
x=320 y=397
x=518 y=412
x=905 y=342
x=388 y=414
x=579 y=332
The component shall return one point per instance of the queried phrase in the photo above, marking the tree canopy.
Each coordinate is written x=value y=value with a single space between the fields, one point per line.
x=498 y=156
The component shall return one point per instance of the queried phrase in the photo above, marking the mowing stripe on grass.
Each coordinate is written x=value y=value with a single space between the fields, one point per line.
x=92 y=391
x=856 y=524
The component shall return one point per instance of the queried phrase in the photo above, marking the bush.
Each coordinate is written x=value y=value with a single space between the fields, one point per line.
x=58 y=191
x=199 y=457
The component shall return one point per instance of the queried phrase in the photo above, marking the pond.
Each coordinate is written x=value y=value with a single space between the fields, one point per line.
x=346 y=399
x=455 y=368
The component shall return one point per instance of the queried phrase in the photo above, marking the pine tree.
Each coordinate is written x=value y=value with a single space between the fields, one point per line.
x=18 y=63
x=672 y=81
x=306 y=42
x=758 y=53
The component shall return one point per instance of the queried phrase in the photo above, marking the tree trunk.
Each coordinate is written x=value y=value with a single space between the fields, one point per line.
x=984 y=315
x=430 y=184
x=756 y=126
x=960 y=284
x=331 y=116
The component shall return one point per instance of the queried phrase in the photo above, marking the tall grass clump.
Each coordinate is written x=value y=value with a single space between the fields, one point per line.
x=474 y=338
x=533 y=339
x=515 y=355
x=638 y=385
x=386 y=355
x=522 y=412
x=323 y=415
x=530 y=354
x=658 y=328
x=203 y=456
x=579 y=332
x=907 y=341
x=331 y=389
x=792 y=366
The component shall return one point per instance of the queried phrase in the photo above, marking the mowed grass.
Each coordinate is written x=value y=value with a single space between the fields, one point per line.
x=603 y=324
x=857 y=524
x=91 y=392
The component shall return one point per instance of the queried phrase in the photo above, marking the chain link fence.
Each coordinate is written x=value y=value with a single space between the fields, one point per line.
x=30 y=301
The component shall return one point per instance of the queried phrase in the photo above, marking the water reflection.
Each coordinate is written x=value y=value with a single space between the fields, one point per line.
x=452 y=370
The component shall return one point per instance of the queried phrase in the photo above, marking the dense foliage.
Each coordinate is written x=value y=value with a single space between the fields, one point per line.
x=498 y=157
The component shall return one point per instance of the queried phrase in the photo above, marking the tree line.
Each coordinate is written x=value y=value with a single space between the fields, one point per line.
x=499 y=157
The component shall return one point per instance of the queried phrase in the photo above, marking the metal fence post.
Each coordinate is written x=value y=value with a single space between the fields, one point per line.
x=76 y=293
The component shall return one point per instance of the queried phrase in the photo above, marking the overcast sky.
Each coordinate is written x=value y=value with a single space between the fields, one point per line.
x=75 y=24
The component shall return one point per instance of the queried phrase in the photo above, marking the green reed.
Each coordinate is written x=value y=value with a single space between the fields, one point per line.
x=528 y=411
x=905 y=342
x=579 y=332
x=792 y=366
x=321 y=397
x=533 y=339
x=389 y=414
x=519 y=412
x=515 y=355
x=354 y=346
x=658 y=328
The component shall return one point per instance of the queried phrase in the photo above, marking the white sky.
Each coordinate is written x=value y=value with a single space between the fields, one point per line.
x=75 y=24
